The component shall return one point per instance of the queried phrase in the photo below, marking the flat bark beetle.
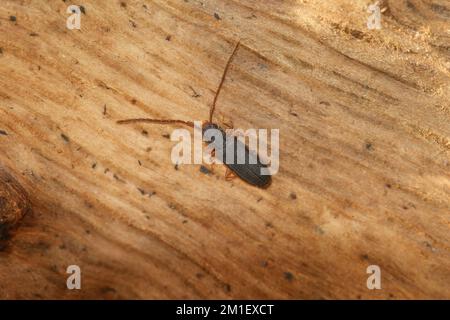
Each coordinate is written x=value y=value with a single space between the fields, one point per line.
x=248 y=172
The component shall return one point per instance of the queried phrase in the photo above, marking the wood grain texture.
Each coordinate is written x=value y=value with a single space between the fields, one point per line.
x=364 y=121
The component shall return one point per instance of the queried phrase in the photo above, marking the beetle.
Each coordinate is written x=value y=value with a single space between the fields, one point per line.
x=248 y=172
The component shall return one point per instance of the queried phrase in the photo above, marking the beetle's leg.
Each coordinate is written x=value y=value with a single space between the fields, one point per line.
x=229 y=175
x=227 y=123
x=211 y=161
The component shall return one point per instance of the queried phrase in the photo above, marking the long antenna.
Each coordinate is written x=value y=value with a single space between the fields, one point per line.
x=158 y=121
x=213 y=107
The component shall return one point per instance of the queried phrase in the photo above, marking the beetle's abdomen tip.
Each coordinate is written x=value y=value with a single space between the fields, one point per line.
x=267 y=184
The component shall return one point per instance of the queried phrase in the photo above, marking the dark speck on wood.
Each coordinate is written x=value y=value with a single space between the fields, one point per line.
x=410 y=5
x=3 y=133
x=439 y=9
x=145 y=193
x=65 y=138
x=288 y=276
x=293 y=113
x=365 y=256
x=42 y=245
x=204 y=170
x=194 y=93
x=83 y=10
x=216 y=15
x=115 y=176
x=319 y=230
x=12 y=18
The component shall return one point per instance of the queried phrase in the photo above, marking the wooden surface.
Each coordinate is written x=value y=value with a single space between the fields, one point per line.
x=364 y=121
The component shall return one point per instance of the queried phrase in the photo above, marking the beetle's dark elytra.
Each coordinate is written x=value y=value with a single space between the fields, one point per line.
x=250 y=173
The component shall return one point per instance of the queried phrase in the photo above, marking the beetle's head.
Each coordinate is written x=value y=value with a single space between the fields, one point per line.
x=213 y=127
x=209 y=125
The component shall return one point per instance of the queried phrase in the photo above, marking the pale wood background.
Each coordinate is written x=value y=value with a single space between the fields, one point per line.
x=364 y=119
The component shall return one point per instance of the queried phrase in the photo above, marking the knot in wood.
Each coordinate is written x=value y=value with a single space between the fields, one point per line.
x=14 y=204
